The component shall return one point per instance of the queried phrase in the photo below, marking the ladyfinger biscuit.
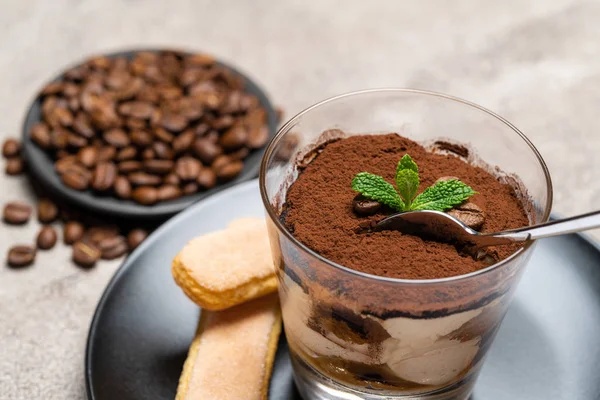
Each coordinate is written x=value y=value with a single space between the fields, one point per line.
x=232 y=354
x=227 y=267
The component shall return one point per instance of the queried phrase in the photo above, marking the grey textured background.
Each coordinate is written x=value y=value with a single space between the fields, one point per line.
x=537 y=63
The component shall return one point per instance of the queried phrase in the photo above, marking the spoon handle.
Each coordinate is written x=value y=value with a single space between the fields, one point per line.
x=577 y=223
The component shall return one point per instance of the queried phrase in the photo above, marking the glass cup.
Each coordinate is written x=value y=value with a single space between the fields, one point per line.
x=353 y=335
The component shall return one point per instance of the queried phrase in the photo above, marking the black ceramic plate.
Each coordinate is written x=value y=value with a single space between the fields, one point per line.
x=547 y=347
x=42 y=170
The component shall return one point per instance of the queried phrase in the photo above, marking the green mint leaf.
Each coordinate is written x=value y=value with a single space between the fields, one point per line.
x=407 y=181
x=374 y=187
x=443 y=195
x=407 y=163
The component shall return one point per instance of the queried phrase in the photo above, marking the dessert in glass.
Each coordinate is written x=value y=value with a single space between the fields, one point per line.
x=379 y=315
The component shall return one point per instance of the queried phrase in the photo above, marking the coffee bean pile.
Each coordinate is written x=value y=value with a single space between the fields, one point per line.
x=150 y=129
x=91 y=242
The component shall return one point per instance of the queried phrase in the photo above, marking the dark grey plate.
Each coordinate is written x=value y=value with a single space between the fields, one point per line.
x=41 y=167
x=546 y=349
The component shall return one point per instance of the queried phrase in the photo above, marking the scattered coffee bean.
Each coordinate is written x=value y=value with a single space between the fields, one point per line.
x=148 y=154
x=146 y=195
x=163 y=135
x=98 y=233
x=73 y=231
x=112 y=247
x=364 y=206
x=126 y=167
x=229 y=171
x=141 y=138
x=63 y=163
x=46 y=238
x=14 y=166
x=47 y=211
x=20 y=256
x=85 y=254
x=116 y=137
x=187 y=168
x=168 y=192
x=163 y=151
x=104 y=176
x=16 y=212
x=174 y=122
x=122 y=187
x=183 y=141
x=135 y=237
x=106 y=153
x=469 y=214
x=11 y=148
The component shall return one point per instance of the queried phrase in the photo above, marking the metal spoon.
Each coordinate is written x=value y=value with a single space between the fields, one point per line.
x=444 y=227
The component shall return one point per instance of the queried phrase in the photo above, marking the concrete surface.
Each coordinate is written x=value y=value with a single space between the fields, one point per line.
x=537 y=63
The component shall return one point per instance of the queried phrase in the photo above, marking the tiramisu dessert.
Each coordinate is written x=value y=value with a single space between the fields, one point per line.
x=371 y=310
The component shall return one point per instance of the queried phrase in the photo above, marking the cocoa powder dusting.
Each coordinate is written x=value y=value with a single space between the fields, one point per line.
x=318 y=209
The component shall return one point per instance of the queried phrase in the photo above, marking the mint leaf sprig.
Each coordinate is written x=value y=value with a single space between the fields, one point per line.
x=439 y=197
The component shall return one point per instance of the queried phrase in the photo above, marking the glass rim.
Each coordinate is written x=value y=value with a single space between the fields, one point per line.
x=452 y=279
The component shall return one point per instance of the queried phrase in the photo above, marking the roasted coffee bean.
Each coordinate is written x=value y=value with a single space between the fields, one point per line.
x=141 y=138
x=364 y=206
x=59 y=138
x=20 y=256
x=76 y=177
x=239 y=154
x=106 y=153
x=229 y=171
x=469 y=214
x=172 y=179
x=163 y=135
x=189 y=188
x=116 y=137
x=85 y=254
x=187 y=168
x=73 y=231
x=100 y=232
x=220 y=162
x=11 y=148
x=162 y=151
x=144 y=179
x=76 y=141
x=14 y=166
x=224 y=122
x=279 y=114
x=160 y=167
x=234 y=138
x=146 y=195
x=202 y=129
x=82 y=125
x=113 y=247
x=206 y=150
x=122 y=187
x=148 y=154
x=258 y=137
x=137 y=109
x=46 y=238
x=207 y=178
x=16 y=212
x=183 y=141
x=74 y=105
x=126 y=167
x=52 y=88
x=63 y=163
x=135 y=237
x=40 y=134
x=88 y=156
x=173 y=122
x=63 y=116
x=104 y=176
x=135 y=124
x=126 y=153
x=47 y=211
x=168 y=192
